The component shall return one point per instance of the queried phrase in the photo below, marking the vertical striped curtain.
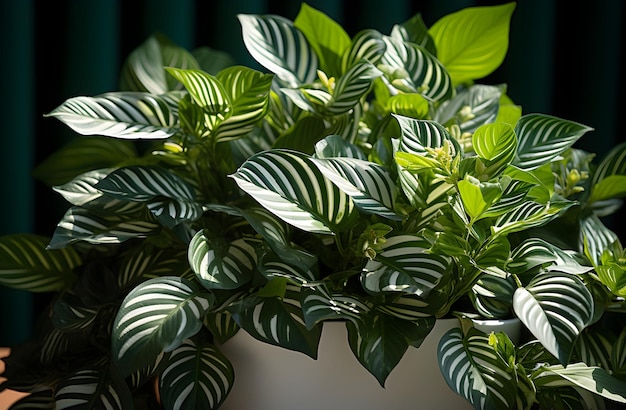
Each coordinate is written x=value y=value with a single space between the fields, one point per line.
x=565 y=59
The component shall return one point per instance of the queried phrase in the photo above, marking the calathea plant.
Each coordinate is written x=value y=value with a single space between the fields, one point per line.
x=367 y=179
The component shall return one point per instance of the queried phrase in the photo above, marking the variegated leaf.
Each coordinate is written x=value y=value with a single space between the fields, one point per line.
x=277 y=322
x=69 y=315
x=221 y=265
x=370 y=185
x=420 y=71
x=170 y=199
x=78 y=224
x=555 y=307
x=474 y=370
x=528 y=215
x=144 y=70
x=319 y=304
x=352 y=86
x=277 y=45
x=595 y=348
x=249 y=91
x=335 y=146
x=405 y=266
x=366 y=45
x=127 y=115
x=414 y=30
x=93 y=388
x=273 y=266
x=195 y=376
x=290 y=185
x=148 y=262
x=535 y=252
x=418 y=135
x=595 y=237
x=26 y=264
x=156 y=316
x=222 y=325
x=541 y=138
x=471 y=107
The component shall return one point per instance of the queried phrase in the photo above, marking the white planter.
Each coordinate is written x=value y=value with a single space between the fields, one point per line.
x=272 y=378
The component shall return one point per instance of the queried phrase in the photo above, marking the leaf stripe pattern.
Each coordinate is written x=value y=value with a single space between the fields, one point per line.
x=427 y=76
x=78 y=224
x=420 y=271
x=352 y=86
x=289 y=185
x=319 y=304
x=528 y=214
x=370 y=185
x=223 y=266
x=156 y=316
x=543 y=137
x=277 y=45
x=614 y=163
x=127 y=115
x=366 y=45
x=144 y=183
x=473 y=370
x=595 y=237
x=196 y=376
x=555 y=307
x=205 y=90
x=93 y=388
x=26 y=264
x=417 y=135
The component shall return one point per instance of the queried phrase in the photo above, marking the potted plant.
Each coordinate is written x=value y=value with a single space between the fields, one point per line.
x=366 y=180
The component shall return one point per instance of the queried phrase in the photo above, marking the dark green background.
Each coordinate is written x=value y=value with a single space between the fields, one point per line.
x=566 y=58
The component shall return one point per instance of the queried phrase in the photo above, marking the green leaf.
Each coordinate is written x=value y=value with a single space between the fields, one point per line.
x=417 y=135
x=327 y=38
x=195 y=376
x=595 y=237
x=277 y=322
x=158 y=315
x=529 y=214
x=68 y=314
x=612 y=186
x=613 y=163
x=125 y=115
x=290 y=185
x=471 y=107
x=170 y=199
x=319 y=304
x=26 y=264
x=272 y=266
x=593 y=379
x=366 y=45
x=472 y=43
x=210 y=60
x=351 y=87
x=220 y=265
x=277 y=45
x=378 y=343
x=409 y=105
x=82 y=155
x=555 y=307
x=477 y=197
x=147 y=262
x=496 y=144
x=144 y=69
x=370 y=185
x=541 y=138
x=96 y=387
x=249 y=91
x=473 y=369
x=303 y=135
x=405 y=266
x=416 y=70
x=334 y=146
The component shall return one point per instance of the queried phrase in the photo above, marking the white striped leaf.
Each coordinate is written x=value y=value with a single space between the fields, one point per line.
x=609 y=179
x=147 y=373
x=222 y=325
x=352 y=86
x=219 y=264
x=195 y=377
x=156 y=316
x=410 y=307
x=366 y=45
x=148 y=262
x=422 y=72
x=26 y=264
x=618 y=353
x=277 y=45
x=471 y=107
x=595 y=237
x=492 y=296
x=595 y=348
x=529 y=214
x=126 y=115
x=170 y=199
x=249 y=91
x=555 y=307
x=320 y=304
x=79 y=224
x=273 y=266
x=377 y=342
x=334 y=146
x=93 y=388
x=535 y=252
x=370 y=185
x=414 y=30
x=144 y=69
x=541 y=138
x=476 y=371
x=417 y=135
x=290 y=185
x=277 y=322
x=68 y=314
x=405 y=266
x=593 y=379
x=514 y=194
